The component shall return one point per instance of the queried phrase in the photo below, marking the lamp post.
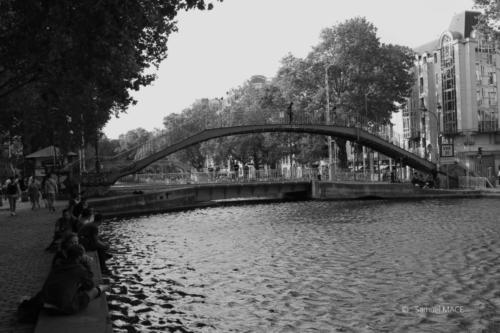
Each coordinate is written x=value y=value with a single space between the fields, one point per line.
x=327 y=118
x=438 y=128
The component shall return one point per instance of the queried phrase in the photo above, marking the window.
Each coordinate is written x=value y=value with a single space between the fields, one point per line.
x=489 y=59
x=448 y=86
x=492 y=98
x=469 y=140
x=485 y=46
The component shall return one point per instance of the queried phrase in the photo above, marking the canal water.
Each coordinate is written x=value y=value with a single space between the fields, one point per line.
x=313 y=266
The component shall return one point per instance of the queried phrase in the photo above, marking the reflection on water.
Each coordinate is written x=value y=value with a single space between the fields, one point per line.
x=357 y=266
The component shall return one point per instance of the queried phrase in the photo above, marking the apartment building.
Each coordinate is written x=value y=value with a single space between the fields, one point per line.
x=453 y=111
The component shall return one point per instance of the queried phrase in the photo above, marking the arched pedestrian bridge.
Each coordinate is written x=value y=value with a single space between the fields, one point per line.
x=354 y=134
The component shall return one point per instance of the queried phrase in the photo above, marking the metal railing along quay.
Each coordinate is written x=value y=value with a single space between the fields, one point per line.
x=245 y=177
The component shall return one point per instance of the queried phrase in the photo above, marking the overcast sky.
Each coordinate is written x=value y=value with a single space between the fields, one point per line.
x=217 y=50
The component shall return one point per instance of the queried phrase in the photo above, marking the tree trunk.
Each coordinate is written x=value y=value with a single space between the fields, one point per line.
x=256 y=161
x=342 y=153
x=96 y=147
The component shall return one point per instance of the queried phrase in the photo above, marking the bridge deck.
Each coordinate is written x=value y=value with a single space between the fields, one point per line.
x=353 y=134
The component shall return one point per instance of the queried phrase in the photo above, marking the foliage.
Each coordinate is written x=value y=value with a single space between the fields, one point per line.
x=365 y=78
x=251 y=104
x=191 y=121
x=362 y=70
x=108 y=147
x=68 y=66
x=11 y=155
x=132 y=138
x=489 y=21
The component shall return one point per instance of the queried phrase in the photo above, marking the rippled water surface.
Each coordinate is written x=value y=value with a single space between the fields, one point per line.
x=354 y=266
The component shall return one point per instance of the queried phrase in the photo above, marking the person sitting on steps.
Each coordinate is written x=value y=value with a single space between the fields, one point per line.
x=61 y=255
x=80 y=208
x=88 y=236
x=64 y=225
x=69 y=288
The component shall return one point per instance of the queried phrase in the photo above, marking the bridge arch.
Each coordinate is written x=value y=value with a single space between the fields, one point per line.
x=353 y=134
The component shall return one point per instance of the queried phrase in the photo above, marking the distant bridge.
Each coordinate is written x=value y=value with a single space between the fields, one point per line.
x=354 y=134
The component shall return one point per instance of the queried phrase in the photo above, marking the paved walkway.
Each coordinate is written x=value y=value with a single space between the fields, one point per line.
x=24 y=264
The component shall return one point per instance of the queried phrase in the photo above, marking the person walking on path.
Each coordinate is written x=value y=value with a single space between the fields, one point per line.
x=34 y=193
x=50 y=192
x=13 y=191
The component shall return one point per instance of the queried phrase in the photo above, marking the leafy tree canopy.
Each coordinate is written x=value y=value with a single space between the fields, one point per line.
x=68 y=66
x=361 y=76
x=489 y=21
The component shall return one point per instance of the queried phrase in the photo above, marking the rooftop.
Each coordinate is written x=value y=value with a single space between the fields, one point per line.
x=461 y=26
x=49 y=151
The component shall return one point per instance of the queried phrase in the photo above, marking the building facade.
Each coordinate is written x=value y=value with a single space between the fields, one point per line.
x=453 y=112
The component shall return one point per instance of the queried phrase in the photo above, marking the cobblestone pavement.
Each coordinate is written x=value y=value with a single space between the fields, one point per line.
x=24 y=264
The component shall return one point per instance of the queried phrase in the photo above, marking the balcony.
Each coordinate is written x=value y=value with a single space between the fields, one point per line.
x=487 y=126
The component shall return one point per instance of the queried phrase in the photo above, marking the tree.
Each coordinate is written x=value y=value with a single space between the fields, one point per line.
x=108 y=147
x=300 y=81
x=79 y=60
x=367 y=78
x=133 y=138
x=192 y=120
x=251 y=104
x=489 y=21
x=359 y=65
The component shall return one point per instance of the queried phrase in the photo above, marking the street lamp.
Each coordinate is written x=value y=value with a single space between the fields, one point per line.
x=327 y=118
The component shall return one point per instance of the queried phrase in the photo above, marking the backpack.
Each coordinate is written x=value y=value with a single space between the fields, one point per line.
x=11 y=188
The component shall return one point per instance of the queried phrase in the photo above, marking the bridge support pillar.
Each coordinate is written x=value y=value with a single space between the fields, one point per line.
x=370 y=159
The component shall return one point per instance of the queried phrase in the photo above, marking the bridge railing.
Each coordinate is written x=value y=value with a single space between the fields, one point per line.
x=468 y=182
x=218 y=177
x=242 y=176
x=191 y=127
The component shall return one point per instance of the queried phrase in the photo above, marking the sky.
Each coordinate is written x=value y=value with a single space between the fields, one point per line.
x=215 y=51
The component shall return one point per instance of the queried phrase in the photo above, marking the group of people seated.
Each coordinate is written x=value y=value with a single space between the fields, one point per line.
x=69 y=286
x=418 y=180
